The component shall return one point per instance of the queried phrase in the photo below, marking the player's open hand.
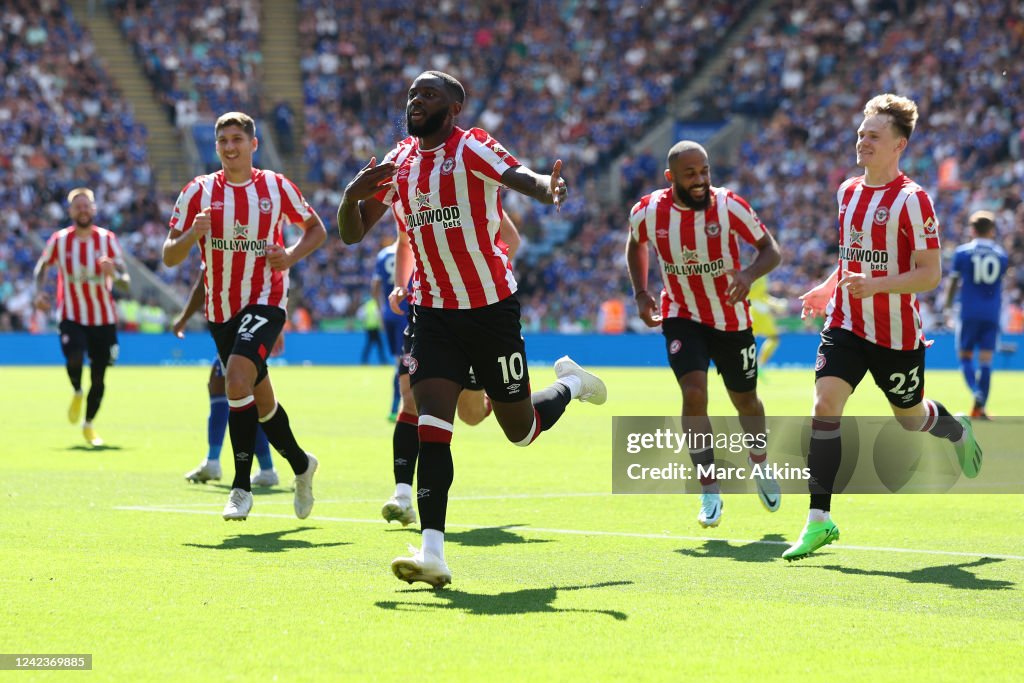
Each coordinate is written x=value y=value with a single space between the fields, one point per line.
x=648 y=309
x=859 y=285
x=395 y=299
x=202 y=223
x=369 y=181
x=178 y=328
x=278 y=257
x=559 y=191
x=738 y=288
x=815 y=302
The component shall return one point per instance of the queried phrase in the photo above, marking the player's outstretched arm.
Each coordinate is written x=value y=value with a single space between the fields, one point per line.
x=816 y=299
x=359 y=210
x=548 y=189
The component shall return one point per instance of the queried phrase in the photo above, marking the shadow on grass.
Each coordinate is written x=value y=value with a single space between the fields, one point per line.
x=952 y=575
x=768 y=549
x=222 y=489
x=85 y=448
x=270 y=542
x=526 y=601
x=485 y=537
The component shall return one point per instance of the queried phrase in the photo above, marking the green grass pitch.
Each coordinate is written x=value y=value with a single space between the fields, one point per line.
x=111 y=552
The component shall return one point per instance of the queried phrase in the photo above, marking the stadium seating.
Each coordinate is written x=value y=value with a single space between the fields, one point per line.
x=575 y=79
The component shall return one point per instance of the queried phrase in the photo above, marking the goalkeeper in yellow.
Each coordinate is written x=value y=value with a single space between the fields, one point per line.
x=763 y=309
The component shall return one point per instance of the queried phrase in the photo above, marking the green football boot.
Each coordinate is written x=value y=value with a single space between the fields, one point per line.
x=968 y=450
x=814 y=536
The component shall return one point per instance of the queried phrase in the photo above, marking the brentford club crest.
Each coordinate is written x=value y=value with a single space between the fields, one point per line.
x=882 y=214
x=412 y=364
x=265 y=205
x=448 y=166
x=675 y=346
x=819 y=362
x=712 y=229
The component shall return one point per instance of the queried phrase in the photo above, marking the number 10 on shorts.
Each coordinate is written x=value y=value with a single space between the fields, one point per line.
x=512 y=367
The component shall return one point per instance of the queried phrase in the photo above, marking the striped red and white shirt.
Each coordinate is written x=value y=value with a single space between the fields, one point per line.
x=696 y=250
x=446 y=199
x=83 y=295
x=245 y=219
x=880 y=228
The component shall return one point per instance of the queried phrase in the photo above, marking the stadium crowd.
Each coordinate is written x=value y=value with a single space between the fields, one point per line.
x=579 y=82
x=62 y=125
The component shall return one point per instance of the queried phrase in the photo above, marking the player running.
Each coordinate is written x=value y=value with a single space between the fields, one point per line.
x=237 y=215
x=89 y=262
x=888 y=251
x=695 y=230
x=444 y=182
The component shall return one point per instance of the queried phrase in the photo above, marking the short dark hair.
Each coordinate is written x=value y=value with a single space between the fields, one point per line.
x=451 y=83
x=236 y=118
x=983 y=222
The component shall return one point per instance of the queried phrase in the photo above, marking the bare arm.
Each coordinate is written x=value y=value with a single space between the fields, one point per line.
x=313 y=235
x=509 y=235
x=951 y=285
x=547 y=189
x=637 y=262
x=403 y=271
x=192 y=304
x=359 y=210
x=42 y=299
x=178 y=244
x=816 y=299
x=118 y=271
x=768 y=257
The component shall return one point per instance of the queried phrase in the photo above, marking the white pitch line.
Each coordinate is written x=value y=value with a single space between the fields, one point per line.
x=508 y=496
x=582 y=532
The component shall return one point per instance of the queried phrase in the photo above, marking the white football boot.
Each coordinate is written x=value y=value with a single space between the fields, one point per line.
x=399 y=510
x=208 y=470
x=768 y=490
x=710 y=509
x=422 y=566
x=592 y=389
x=265 y=478
x=304 y=489
x=239 y=505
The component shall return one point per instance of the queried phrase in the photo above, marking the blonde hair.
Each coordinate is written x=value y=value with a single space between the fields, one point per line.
x=236 y=118
x=79 y=191
x=902 y=111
